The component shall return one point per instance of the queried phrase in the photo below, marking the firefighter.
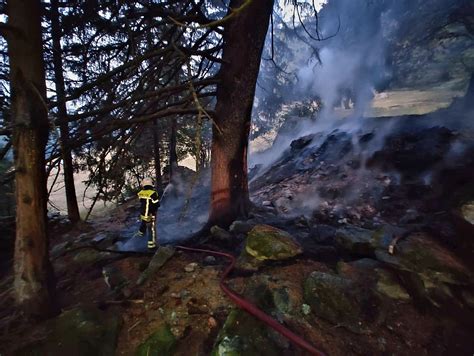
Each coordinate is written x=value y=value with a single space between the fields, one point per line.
x=149 y=205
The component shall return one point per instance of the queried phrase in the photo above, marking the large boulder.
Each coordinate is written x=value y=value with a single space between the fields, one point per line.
x=432 y=273
x=358 y=297
x=79 y=331
x=243 y=334
x=266 y=242
x=376 y=277
x=341 y=301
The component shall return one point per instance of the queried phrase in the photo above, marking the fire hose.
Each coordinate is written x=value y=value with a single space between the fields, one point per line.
x=251 y=308
x=239 y=300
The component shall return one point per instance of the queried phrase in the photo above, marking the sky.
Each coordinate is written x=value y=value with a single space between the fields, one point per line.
x=288 y=9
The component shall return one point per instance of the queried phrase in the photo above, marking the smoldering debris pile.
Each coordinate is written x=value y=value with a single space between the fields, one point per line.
x=394 y=170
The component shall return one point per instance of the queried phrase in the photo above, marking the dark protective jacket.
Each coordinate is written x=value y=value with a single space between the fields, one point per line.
x=149 y=203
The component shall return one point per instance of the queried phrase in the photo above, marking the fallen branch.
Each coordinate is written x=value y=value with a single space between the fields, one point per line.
x=78 y=248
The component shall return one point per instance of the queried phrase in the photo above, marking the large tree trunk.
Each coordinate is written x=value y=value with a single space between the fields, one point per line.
x=34 y=282
x=244 y=38
x=71 y=199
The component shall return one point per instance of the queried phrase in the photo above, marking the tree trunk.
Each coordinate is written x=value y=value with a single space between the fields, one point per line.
x=156 y=153
x=198 y=143
x=71 y=199
x=173 y=154
x=34 y=281
x=244 y=38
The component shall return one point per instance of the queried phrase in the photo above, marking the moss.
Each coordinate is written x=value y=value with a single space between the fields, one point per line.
x=161 y=343
x=388 y=286
x=325 y=294
x=243 y=335
x=81 y=331
x=265 y=242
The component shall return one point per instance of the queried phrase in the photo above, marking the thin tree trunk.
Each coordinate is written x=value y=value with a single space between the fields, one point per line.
x=71 y=199
x=156 y=152
x=244 y=37
x=173 y=154
x=198 y=143
x=34 y=280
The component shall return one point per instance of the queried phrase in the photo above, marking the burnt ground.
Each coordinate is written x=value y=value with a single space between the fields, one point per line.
x=196 y=309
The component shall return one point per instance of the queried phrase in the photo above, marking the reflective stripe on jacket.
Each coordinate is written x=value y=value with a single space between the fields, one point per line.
x=149 y=203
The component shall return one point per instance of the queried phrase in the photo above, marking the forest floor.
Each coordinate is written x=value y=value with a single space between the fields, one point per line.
x=184 y=296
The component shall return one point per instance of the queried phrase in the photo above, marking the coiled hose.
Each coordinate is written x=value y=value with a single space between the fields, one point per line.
x=251 y=308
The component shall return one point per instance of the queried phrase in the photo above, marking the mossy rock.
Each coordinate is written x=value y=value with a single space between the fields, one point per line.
x=266 y=242
x=421 y=254
x=247 y=263
x=244 y=335
x=80 y=331
x=162 y=255
x=430 y=272
x=388 y=286
x=161 y=343
x=340 y=301
x=88 y=256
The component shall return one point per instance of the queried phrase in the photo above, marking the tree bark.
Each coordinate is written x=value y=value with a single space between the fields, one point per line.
x=34 y=280
x=157 y=158
x=173 y=154
x=244 y=37
x=198 y=143
x=71 y=199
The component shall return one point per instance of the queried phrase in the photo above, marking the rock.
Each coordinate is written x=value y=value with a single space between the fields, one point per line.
x=362 y=242
x=355 y=240
x=114 y=279
x=60 y=248
x=220 y=234
x=373 y=275
x=266 y=242
x=161 y=343
x=283 y=300
x=88 y=256
x=388 y=286
x=209 y=260
x=340 y=301
x=161 y=256
x=191 y=267
x=211 y=322
x=305 y=309
x=467 y=211
x=247 y=263
x=302 y=142
x=184 y=294
x=429 y=271
x=241 y=227
x=411 y=216
x=79 y=331
x=242 y=334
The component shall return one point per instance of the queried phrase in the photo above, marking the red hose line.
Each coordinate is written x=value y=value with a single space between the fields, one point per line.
x=251 y=308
